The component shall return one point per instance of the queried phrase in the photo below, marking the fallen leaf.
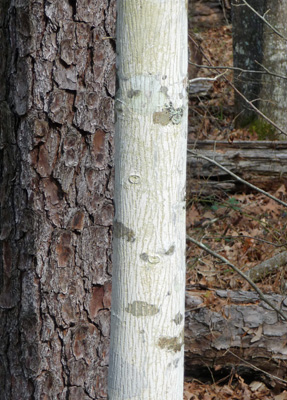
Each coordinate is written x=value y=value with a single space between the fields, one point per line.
x=281 y=396
x=256 y=385
x=258 y=335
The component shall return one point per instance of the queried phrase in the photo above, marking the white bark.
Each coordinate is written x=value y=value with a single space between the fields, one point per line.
x=273 y=90
x=146 y=353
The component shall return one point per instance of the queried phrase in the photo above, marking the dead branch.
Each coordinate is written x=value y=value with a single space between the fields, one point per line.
x=242 y=274
x=267 y=267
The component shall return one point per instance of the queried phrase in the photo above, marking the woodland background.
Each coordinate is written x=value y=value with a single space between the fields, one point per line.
x=237 y=222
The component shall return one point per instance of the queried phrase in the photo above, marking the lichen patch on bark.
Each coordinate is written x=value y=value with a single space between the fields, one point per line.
x=142 y=309
x=170 y=251
x=123 y=232
x=161 y=117
x=133 y=93
x=178 y=318
x=171 y=343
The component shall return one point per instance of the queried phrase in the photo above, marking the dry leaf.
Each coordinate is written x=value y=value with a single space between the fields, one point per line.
x=258 y=335
x=256 y=385
x=281 y=396
x=192 y=216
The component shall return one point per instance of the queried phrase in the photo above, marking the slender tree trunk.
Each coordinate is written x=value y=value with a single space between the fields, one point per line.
x=146 y=354
x=56 y=124
x=273 y=100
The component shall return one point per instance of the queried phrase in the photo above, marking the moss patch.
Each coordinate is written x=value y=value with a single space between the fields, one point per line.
x=263 y=129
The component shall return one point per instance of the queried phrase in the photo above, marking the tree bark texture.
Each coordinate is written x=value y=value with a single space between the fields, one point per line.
x=262 y=163
x=56 y=128
x=146 y=354
x=226 y=329
x=273 y=102
x=247 y=30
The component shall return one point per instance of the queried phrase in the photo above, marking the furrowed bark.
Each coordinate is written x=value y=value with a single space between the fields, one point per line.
x=56 y=125
x=146 y=355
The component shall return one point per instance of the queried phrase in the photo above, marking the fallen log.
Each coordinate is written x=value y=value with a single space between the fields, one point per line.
x=235 y=330
x=262 y=163
x=268 y=267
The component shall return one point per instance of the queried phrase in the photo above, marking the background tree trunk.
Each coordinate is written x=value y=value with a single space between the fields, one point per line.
x=273 y=101
x=56 y=124
x=146 y=354
x=247 y=30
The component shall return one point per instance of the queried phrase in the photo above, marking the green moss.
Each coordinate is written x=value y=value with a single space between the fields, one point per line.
x=263 y=129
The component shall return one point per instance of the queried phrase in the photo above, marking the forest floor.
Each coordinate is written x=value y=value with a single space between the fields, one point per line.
x=245 y=228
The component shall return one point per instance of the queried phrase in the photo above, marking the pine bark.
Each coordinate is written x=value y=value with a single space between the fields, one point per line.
x=56 y=128
x=146 y=354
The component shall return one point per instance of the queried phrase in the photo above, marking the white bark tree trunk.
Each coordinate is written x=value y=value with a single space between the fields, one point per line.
x=273 y=90
x=146 y=353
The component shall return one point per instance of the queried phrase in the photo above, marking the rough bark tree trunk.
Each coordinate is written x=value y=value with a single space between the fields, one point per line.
x=229 y=329
x=56 y=125
x=247 y=30
x=146 y=354
x=273 y=101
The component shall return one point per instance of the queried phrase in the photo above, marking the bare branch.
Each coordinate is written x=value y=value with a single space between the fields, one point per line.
x=264 y=20
x=251 y=283
x=256 y=368
x=241 y=95
x=245 y=71
x=206 y=79
x=196 y=154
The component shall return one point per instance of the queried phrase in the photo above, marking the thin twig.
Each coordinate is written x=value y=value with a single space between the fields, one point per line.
x=269 y=72
x=245 y=71
x=196 y=154
x=229 y=237
x=256 y=368
x=240 y=94
x=264 y=20
x=202 y=78
x=251 y=283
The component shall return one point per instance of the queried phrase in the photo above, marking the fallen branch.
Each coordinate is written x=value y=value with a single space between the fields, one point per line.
x=267 y=267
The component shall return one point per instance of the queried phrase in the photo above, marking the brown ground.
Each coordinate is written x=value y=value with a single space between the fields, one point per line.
x=246 y=228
